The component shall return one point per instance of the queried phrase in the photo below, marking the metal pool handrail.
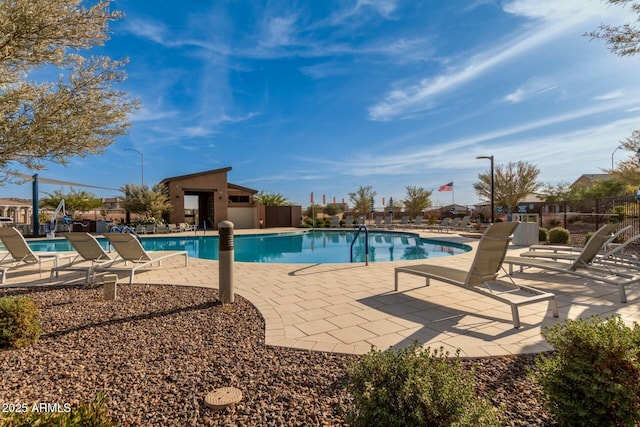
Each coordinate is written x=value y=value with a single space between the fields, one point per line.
x=366 y=243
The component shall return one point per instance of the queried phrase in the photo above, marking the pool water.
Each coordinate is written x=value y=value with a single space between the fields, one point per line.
x=307 y=247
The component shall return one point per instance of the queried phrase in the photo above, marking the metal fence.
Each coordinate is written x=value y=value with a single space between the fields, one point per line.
x=595 y=212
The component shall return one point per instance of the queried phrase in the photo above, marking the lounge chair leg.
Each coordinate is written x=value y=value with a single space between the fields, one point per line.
x=623 y=294
x=515 y=315
x=396 y=281
x=554 y=307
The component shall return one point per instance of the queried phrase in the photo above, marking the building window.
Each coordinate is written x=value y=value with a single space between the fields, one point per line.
x=239 y=199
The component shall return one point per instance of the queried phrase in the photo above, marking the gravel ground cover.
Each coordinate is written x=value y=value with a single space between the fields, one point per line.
x=158 y=350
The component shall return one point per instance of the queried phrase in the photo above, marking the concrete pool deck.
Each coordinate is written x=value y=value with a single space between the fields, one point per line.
x=348 y=308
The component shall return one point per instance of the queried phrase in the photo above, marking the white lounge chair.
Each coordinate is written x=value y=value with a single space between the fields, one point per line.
x=482 y=276
x=348 y=221
x=567 y=248
x=90 y=255
x=184 y=226
x=584 y=265
x=131 y=252
x=404 y=221
x=444 y=225
x=19 y=253
x=417 y=223
x=602 y=235
x=464 y=224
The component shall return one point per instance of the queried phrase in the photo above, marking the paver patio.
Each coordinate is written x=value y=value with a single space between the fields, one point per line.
x=347 y=308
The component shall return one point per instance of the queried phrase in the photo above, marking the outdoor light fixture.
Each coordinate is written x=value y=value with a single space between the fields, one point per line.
x=141 y=161
x=492 y=187
x=614 y=152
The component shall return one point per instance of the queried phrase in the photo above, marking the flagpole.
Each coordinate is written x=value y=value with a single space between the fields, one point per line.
x=453 y=196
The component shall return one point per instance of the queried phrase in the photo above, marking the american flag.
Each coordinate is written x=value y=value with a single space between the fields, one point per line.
x=446 y=187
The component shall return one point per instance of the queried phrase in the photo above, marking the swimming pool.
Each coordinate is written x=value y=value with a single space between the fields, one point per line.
x=305 y=247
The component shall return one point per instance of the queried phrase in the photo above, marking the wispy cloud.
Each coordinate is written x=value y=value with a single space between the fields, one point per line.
x=324 y=69
x=477 y=3
x=407 y=100
x=529 y=89
x=279 y=31
x=608 y=96
x=147 y=115
x=383 y=8
x=147 y=29
x=441 y=152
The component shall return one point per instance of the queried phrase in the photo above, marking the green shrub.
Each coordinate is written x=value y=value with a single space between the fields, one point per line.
x=587 y=237
x=94 y=414
x=593 y=377
x=621 y=211
x=559 y=235
x=414 y=387
x=543 y=234
x=19 y=322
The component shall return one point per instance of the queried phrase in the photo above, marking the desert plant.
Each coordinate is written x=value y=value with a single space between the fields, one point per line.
x=19 y=322
x=94 y=414
x=414 y=387
x=543 y=234
x=587 y=237
x=551 y=222
x=621 y=211
x=559 y=235
x=593 y=376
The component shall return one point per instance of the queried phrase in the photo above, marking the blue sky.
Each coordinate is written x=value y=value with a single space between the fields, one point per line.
x=328 y=96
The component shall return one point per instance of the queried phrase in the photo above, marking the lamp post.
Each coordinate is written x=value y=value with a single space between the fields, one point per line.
x=141 y=161
x=614 y=152
x=492 y=187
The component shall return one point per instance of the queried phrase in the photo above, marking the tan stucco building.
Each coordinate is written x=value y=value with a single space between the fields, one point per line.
x=206 y=198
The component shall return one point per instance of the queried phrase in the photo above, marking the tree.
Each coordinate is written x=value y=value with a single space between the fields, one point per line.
x=362 y=199
x=332 y=209
x=76 y=202
x=627 y=171
x=77 y=114
x=512 y=183
x=623 y=40
x=557 y=193
x=416 y=200
x=271 y=199
x=150 y=203
x=606 y=188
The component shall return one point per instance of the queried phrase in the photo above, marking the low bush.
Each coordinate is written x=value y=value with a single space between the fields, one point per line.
x=543 y=234
x=559 y=235
x=19 y=322
x=415 y=387
x=593 y=376
x=622 y=212
x=587 y=237
x=95 y=414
